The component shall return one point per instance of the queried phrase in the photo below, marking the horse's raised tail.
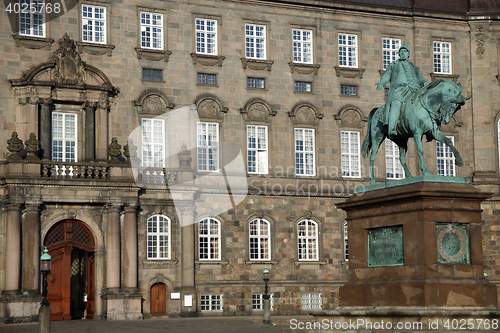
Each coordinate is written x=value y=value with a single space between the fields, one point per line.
x=367 y=142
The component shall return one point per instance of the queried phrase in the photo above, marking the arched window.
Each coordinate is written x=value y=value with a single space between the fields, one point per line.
x=260 y=241
x=209 y=239
x=307 y=233
x=158 y=237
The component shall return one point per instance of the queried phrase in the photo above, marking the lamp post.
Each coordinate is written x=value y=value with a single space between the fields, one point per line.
x=44 y=311
x=267 y=302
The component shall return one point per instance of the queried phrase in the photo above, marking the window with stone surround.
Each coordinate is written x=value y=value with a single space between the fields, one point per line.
x=393 y=167
x=158 y=235
x=259 y=239
x=255 y=41
x=208 y=146
x=442 y=57
x=311 y=301
x=350 y=154
x=304 y=152
x=206 y=36
x=32 y=18
x=257 y=150
x=211 y=302
x=307 y=239
x=302 y=46
x=258 y=301
x=209 y=239
x=64 y=137
x=445 y=159
x=390 y=51
x=94 y=24
x=153 y=143
x=303 y=86
x=348 y=50
x=152 y=30
x=346 y=242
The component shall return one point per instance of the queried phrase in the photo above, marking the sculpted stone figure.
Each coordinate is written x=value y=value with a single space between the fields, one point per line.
x=405 y=79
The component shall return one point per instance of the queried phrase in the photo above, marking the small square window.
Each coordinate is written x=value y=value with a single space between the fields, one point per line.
x=256 y=83
x=301 y=86
x=346 y=90
x=208 y=79
x=152 y=74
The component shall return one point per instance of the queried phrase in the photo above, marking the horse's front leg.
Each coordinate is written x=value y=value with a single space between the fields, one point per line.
x=439 y=136
x=373 y=156
x=403 y=148
x=420 y=150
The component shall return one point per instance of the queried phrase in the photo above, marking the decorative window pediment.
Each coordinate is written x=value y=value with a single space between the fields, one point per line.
x=210 y=108
x=258 y=110
x=305 y=114
x=351 y=116
x=154 y=103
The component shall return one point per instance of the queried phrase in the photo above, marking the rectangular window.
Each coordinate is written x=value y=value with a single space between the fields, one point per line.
x=348 y=50
x=445 y=159
x=64 y=137
x=211 y=302
x=302 y=46
x=94 y=24
x=350 y=150
x=393 y=167
x=256 y=83
x=304 y=152
x=153 y=144
x=257 y=149
x=311 y=301
x=152 y=31
x=207 y=79
x=301 y=86
x=152 y=74
x=208 y=147
x=346 y=243
x=442 y=57
x=390 y=51
x=347 y=90
x=32 y=18
x=255 y=41
x=206 y=36
x=258 y=302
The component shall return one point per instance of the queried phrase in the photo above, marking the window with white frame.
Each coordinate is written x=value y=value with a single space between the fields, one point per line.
x=445 y=159
x=153 y=143
x=302 y=46
x=390 y=51
x=307 y=234
x=260 y=240
x=255 y=41
x=211 y=302
x=348 y=50
x=152 y=31
x=393 y=167
x=257 y=149
x=208 y=146
x=311 y=301
x=304 y=152
x=94 y=24
x=64 y=137
x=258 y=301
x=158 y=237
x=350 y=154
x=442 y=57
x=346 y=239
x=32 y=18
x=209 y=239
x=206 y=36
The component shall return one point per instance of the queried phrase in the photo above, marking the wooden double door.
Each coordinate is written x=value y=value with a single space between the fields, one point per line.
x=71 y=282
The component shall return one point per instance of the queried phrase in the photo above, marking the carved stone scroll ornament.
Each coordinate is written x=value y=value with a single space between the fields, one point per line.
x=69 y=68
x=303 y=68
x=258 y=110
x=350 y=73
x=210 y=108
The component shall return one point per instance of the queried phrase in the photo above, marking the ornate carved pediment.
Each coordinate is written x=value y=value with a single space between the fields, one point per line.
x=69 y=68
x=154 y=55
x=207 y=60
x=351 y=116
x=209 y=107
x=257 y=64
x=303 y=68
x=258 y=110
x=305 y=114
x=153 y=103
x=349 y=73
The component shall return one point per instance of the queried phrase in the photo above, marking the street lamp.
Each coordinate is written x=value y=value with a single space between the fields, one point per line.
x=267 y=302
x=44 y=311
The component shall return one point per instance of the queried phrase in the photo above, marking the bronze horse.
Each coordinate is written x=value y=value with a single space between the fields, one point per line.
x=421 y=114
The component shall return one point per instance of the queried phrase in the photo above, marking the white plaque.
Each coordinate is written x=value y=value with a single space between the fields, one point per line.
x=175 y=295
x=188 y=300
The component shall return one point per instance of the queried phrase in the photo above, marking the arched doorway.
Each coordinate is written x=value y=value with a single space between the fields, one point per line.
x=71 y=282
x=158 y=299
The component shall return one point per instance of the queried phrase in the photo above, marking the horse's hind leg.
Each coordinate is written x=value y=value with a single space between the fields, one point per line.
x=403 y=148
x=439 y=136
x=377 y=139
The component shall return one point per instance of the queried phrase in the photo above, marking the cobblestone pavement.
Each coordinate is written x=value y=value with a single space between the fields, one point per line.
x=177 y=325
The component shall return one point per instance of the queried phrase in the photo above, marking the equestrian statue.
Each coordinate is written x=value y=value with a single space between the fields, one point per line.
x=414 y=108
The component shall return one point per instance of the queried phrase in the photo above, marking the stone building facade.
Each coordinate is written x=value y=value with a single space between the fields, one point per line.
x=290 y=83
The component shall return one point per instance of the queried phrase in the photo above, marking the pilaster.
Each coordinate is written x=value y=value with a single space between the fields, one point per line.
x=13 y=250
x=31 y=249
